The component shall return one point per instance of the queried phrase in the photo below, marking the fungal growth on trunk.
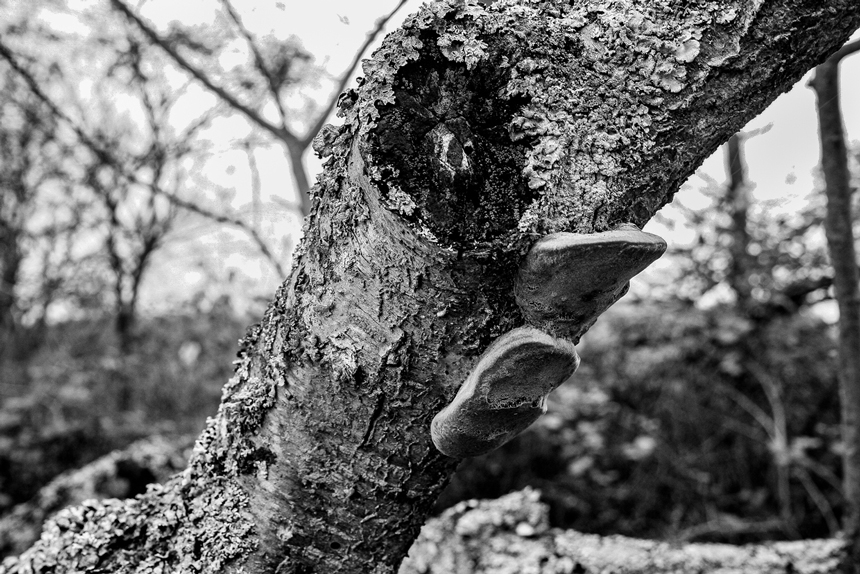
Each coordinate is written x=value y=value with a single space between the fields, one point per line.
x=568 y=280
x=564 y=283
x=505 y=392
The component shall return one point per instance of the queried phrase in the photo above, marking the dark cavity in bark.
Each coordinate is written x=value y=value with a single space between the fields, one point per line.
x=446 y=144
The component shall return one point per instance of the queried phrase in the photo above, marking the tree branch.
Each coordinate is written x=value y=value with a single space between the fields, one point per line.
x=220 y=218
x=258 y=59
x=838 y=227
x=512 y=534
x=282 y=133
x=845 y=50
x=108 y=158
x=347 y=75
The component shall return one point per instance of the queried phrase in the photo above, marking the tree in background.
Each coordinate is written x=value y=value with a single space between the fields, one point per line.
x=136 y=169
x=319 y=458
x=757 y=255
x=43 y=215
x=839 y=226
x=269 y=77
x=117 y=175
x=771 y=265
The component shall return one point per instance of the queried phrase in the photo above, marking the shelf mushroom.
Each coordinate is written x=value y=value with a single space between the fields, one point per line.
x=564 y=283
x=567 y=280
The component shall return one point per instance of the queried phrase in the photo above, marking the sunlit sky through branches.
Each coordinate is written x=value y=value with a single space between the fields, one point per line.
x=782 y=160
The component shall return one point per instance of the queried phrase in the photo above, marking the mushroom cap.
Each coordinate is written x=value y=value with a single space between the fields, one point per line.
x=568 y=279
x=505 y=392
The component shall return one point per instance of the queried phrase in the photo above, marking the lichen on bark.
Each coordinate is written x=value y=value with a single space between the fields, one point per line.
x=188 y=525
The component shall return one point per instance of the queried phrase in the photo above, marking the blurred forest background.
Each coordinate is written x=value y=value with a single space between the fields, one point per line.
x=154 y=169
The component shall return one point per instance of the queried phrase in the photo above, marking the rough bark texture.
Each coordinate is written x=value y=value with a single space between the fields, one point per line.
x=838 y=226
x=511 y=535
x=475 y=131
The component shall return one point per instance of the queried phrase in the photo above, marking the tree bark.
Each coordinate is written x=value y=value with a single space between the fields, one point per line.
x=838 y=226
x=476 y=131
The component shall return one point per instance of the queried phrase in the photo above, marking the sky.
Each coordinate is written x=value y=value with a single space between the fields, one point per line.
x=781 y=161
x=791 y=146
x=782 y=164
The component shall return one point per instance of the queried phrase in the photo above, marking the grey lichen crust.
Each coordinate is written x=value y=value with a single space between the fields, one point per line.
x=585 y=90
x=160 y=532
x=198 y=522
x=121 y=474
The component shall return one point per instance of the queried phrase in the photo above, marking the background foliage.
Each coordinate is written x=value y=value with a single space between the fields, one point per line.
x=684 y=424
x=79 y=397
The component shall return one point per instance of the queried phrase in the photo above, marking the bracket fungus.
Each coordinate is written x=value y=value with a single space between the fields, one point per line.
x=568 y=279
x=505 y=392
x=564 y=283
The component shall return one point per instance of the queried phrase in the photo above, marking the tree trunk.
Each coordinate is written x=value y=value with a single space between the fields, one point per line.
x=838 y=226
x=296 y=154
x=737 y=201
x=320 y=459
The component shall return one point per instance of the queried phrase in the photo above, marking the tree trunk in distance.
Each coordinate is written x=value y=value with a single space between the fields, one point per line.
x=10 y=261
x=838 y=226
x=476 y=131
x=737 y=201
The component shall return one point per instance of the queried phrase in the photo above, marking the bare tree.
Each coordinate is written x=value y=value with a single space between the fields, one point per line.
x=128 y=169
x=476 y=131
x=271 y=68
x=838 y=226
x=134 y=171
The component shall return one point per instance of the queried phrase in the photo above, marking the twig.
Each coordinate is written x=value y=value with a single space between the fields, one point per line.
x=220 y=218
x=258 y=58
x=818 y=499
x=282 y=133
x=347 y=75
x=846 y=50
